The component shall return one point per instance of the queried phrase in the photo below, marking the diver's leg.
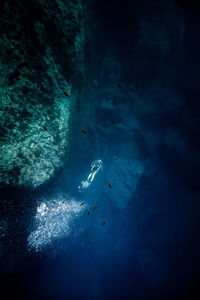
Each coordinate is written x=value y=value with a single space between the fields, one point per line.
x=89 y=176
x=93 y=176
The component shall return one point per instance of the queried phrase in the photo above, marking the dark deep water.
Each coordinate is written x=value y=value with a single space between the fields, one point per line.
x=149 y=247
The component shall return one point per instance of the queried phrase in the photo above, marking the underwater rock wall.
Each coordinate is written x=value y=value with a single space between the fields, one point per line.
x=41 y=49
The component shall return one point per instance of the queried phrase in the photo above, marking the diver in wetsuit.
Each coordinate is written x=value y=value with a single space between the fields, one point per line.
x=95 y=167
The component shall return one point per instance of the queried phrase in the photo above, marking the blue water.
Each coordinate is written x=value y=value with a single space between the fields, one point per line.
x=149 y=247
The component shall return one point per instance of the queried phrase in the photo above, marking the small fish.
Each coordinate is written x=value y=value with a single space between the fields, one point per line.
x=83 y=131
x=109 y=185
x=170 y=35
x=82 y=203
x=115 y=157
x=66 y=94
x=156 y=174
x=44 y=127
x=104 y=222
x=95 y=207
x=118 y=84
x=88 y=212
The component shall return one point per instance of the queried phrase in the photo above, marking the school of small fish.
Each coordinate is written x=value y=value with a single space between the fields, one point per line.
x=109 y=185
x=114 y=157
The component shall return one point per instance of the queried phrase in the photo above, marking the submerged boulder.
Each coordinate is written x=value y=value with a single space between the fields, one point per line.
x=41 y=49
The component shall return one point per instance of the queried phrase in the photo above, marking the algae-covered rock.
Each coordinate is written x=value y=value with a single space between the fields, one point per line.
x=41 y=48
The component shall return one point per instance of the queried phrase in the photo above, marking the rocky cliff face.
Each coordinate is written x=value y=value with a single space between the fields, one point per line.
x=41 y=48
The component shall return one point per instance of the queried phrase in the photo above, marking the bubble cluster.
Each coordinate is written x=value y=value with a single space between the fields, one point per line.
x=53 y=220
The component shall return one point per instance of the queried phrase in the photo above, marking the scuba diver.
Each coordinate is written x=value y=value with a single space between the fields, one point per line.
x=95 y=167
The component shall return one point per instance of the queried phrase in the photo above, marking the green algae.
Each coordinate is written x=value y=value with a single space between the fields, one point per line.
x=37 y=64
